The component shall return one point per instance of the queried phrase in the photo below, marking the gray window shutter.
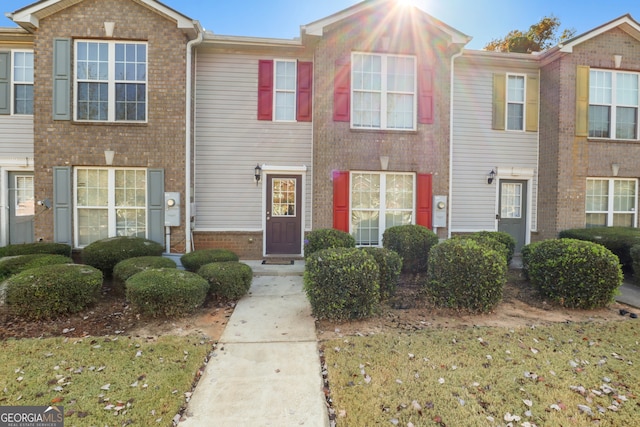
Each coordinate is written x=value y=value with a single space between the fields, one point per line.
x=5 y=82
x=62 y=205
x=62 y=79
x=155 y=209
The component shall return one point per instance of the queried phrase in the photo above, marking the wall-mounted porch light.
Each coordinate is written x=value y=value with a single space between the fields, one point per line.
x=108 y=157
x=490 y=176
x=257 y=173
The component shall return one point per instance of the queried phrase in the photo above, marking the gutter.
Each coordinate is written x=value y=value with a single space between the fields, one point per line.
x=451 y=110
x=187 y=167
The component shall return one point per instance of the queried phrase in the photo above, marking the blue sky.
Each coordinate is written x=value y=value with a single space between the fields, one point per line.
x=484 y=20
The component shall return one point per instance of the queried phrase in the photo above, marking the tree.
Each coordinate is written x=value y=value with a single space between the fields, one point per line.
x=540 y=36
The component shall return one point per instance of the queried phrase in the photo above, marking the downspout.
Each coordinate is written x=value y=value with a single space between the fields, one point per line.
x=451 y=109
x=187 y=168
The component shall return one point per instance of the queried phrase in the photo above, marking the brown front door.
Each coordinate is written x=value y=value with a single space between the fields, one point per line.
x=284 y=214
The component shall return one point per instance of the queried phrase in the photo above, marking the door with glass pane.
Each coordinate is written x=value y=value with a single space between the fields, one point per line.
x=512 y=211
x=21 y=207
x=283 y=230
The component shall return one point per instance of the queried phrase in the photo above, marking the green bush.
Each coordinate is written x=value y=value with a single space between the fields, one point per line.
x=230 y=279
x=196 y=259
x=15 y=264
x=463 y=273
x=635 y=261
x=52 y=290
x=526 y=252
x=342 y=283
x=390 y=266
x=36 y=248
x=575 y=273
x=505 y=238
x=618 y=240
x=128 y=267
x=167 y=292
x=326 y=238
x=412 y=243
x=106 y=253
x=488 y=242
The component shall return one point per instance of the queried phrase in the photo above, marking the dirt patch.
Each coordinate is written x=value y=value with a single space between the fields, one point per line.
x=521 y=306
x=112 y=315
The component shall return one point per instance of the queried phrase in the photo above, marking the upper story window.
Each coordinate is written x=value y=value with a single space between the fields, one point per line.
x=515 y=102
x=111 y=81
x=383 y=91
x=22 y=82
x=285 y=90
x=613 y=104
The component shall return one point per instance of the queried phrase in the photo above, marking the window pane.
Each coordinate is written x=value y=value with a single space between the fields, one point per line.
x=515 y=89
x=366 y=228
x=400 y=111
x=283 y=197
x=597 y=198
x=596 y=220
x=23 y=99
x=25 y=200
x=626 y=122
x=599 y=121
x=129 y=97
x=600 y=87
x=623 y=220
x=515 y=116
x=93 y=225
x=511 y=200
x=285 y=106
x=627 y=89
x=131 y=222
x=400 y=74
x=624 y=196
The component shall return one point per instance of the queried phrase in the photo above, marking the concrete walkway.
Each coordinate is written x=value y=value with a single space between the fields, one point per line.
x=266 y=368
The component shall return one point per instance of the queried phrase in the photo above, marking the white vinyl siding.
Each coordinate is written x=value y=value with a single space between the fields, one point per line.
x=230 y=141
x=477 y=149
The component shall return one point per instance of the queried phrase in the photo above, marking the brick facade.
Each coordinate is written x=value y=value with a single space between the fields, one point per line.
x=159 y=143
x=566 y=160
x=338 y=148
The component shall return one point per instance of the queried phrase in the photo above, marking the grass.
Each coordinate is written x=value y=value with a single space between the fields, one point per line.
x=102 y=381
x=569 y=374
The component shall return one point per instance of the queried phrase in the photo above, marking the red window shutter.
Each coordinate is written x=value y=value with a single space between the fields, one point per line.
x=305 y=85
x=425 y=95
x=424 y=200
x=341 y=200
x=342 y=92
x=265 y=90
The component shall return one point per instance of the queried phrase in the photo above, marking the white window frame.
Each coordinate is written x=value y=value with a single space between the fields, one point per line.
x=382 y=226
x=610 y=212
x=384 y=92
x=15 y=82
x=111 y=205
x=111 y=81
x=515 y=102
x=614 y=104
x=277 y=90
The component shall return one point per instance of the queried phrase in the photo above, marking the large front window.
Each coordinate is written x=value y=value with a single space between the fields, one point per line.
x=383 y=91
x=611 y=202
x=613 y=105
x=22 y=82
x=380 y=201
x=111 y=81
x=110 y=202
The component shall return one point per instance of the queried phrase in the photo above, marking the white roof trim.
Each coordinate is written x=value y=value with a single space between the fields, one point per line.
x=626 y=23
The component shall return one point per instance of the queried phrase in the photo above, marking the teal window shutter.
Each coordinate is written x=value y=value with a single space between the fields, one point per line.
x=62 y=205
x=5 y=82
x=62 y=79
x=155 y=209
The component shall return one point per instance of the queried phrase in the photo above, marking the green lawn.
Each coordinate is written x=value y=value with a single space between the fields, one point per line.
x=576 y=374
x=103 y=380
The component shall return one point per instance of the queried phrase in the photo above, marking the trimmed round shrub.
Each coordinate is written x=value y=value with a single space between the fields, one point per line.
x=36 y=248
x=635 y=259
x=128 y=267
x=52 y=290
x=342 y=283
x=575 y=273
x=229 y=279
x=167 y=292
x=526 y=252
x=488 y=242
x=505 y=238
x=196 y=259
x=15 y=264
x=390 y=266
x=412 y=243
x=326 y=238
x=463 y=273
x=106 y=253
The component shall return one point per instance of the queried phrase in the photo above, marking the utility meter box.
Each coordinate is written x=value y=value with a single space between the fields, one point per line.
x=439 y=211
x=172 y=209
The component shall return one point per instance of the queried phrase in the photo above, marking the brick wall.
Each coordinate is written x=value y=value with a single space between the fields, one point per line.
x=156 y=144
x=248 y=245
x=566 y=161
x=337 y=147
